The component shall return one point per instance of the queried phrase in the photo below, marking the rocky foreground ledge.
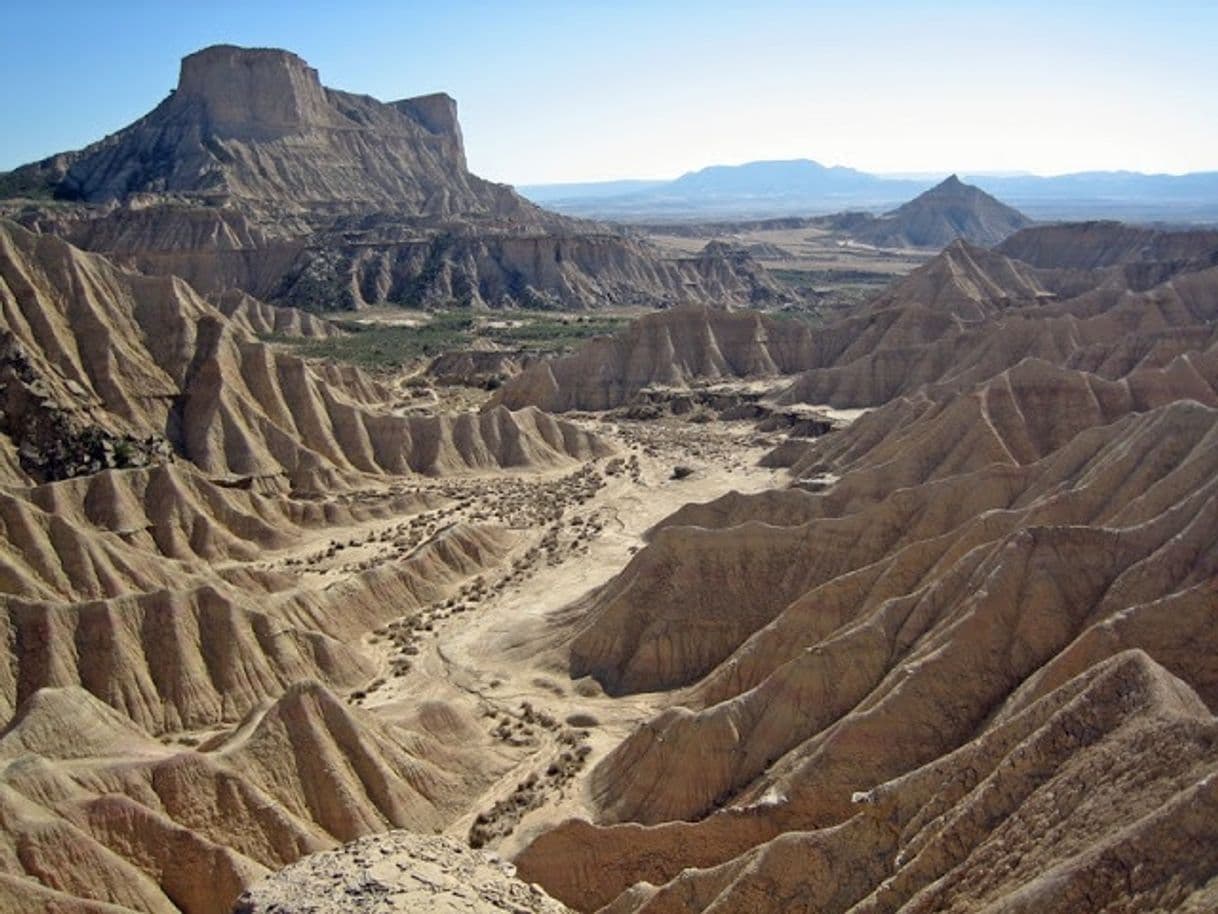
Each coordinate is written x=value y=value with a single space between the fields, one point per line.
x=397 y=872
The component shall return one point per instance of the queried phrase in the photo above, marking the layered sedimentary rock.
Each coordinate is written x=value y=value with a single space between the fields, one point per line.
x=252 y=175
x=171 y=683
x=975 y=670
x=882 y=639
x=969 y=314
x=1034 y=815
x=962 y=317
x=667 y=349
x=100 y=353
x=382 y=873
x=105 y=818
x=949 y=211
x=1096 y=245
x=971 y=283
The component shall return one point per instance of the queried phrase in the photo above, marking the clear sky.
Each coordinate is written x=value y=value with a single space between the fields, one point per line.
x=575 y=91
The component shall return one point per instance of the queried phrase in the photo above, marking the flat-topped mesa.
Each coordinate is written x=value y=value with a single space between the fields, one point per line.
x=253 y=175
x=256 y=124
x=259 y=88
x=437 y=113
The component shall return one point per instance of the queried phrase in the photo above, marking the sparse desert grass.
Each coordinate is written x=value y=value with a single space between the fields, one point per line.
x=390 y=346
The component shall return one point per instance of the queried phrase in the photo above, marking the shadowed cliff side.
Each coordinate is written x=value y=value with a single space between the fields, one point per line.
x=149 y=369
x=252 y=175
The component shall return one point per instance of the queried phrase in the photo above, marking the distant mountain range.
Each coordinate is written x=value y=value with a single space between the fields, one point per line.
x=805 y=187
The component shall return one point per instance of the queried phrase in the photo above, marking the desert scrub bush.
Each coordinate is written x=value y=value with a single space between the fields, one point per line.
x=386 y=347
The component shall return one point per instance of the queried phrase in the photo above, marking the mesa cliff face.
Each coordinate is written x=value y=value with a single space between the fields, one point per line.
x=252 y=175
x=257 y=126
x=259 y=89
x=254 y=607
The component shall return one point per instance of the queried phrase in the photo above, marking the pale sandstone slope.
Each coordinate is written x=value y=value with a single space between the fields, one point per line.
x=195 y=650
x=110 y=574
x=1004 y=593
x=261 y=319
x=1099 y=797
x=970 y=283
x=135 y=824
x=1110 y=328
x=154 y=455
x=670 y=348
x=962 y=317
x=111 y=353
x=648 y=628
x=1016 y=417
x=857 y=676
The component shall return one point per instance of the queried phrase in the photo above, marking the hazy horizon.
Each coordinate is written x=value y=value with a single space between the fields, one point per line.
x=939 y=175
x=566 y=93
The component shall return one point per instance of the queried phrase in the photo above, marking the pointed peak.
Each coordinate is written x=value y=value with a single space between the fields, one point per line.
x=951 y=182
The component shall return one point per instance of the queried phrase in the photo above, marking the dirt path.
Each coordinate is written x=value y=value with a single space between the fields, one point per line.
x=498 y=657
x=491 y=648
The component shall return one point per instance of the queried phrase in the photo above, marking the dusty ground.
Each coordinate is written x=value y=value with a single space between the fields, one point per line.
x=575 y=531
x=806 y=248
x=490 y=650
x=831 y=274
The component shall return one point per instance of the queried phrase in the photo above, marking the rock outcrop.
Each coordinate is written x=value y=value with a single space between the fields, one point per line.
x=964 y=316
x=667 y=349
x=833 y=665
x=251 y=175
x=1097 y=245
x=949 y=211
x=970 y=667
x=382 y=874
x=971 y=283
x=1036 y=814
x=257 y=126
x=172 y=681
x=970 y=314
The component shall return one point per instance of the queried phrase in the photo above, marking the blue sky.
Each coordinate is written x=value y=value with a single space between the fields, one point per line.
x=588 y=91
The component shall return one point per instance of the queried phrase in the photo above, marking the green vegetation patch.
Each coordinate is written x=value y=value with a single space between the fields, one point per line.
x=806 y=279
x=547 y=333
x=390 y=347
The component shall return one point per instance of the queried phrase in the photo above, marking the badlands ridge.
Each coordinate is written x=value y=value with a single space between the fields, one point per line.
x=912 y=611
x=253 y=175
